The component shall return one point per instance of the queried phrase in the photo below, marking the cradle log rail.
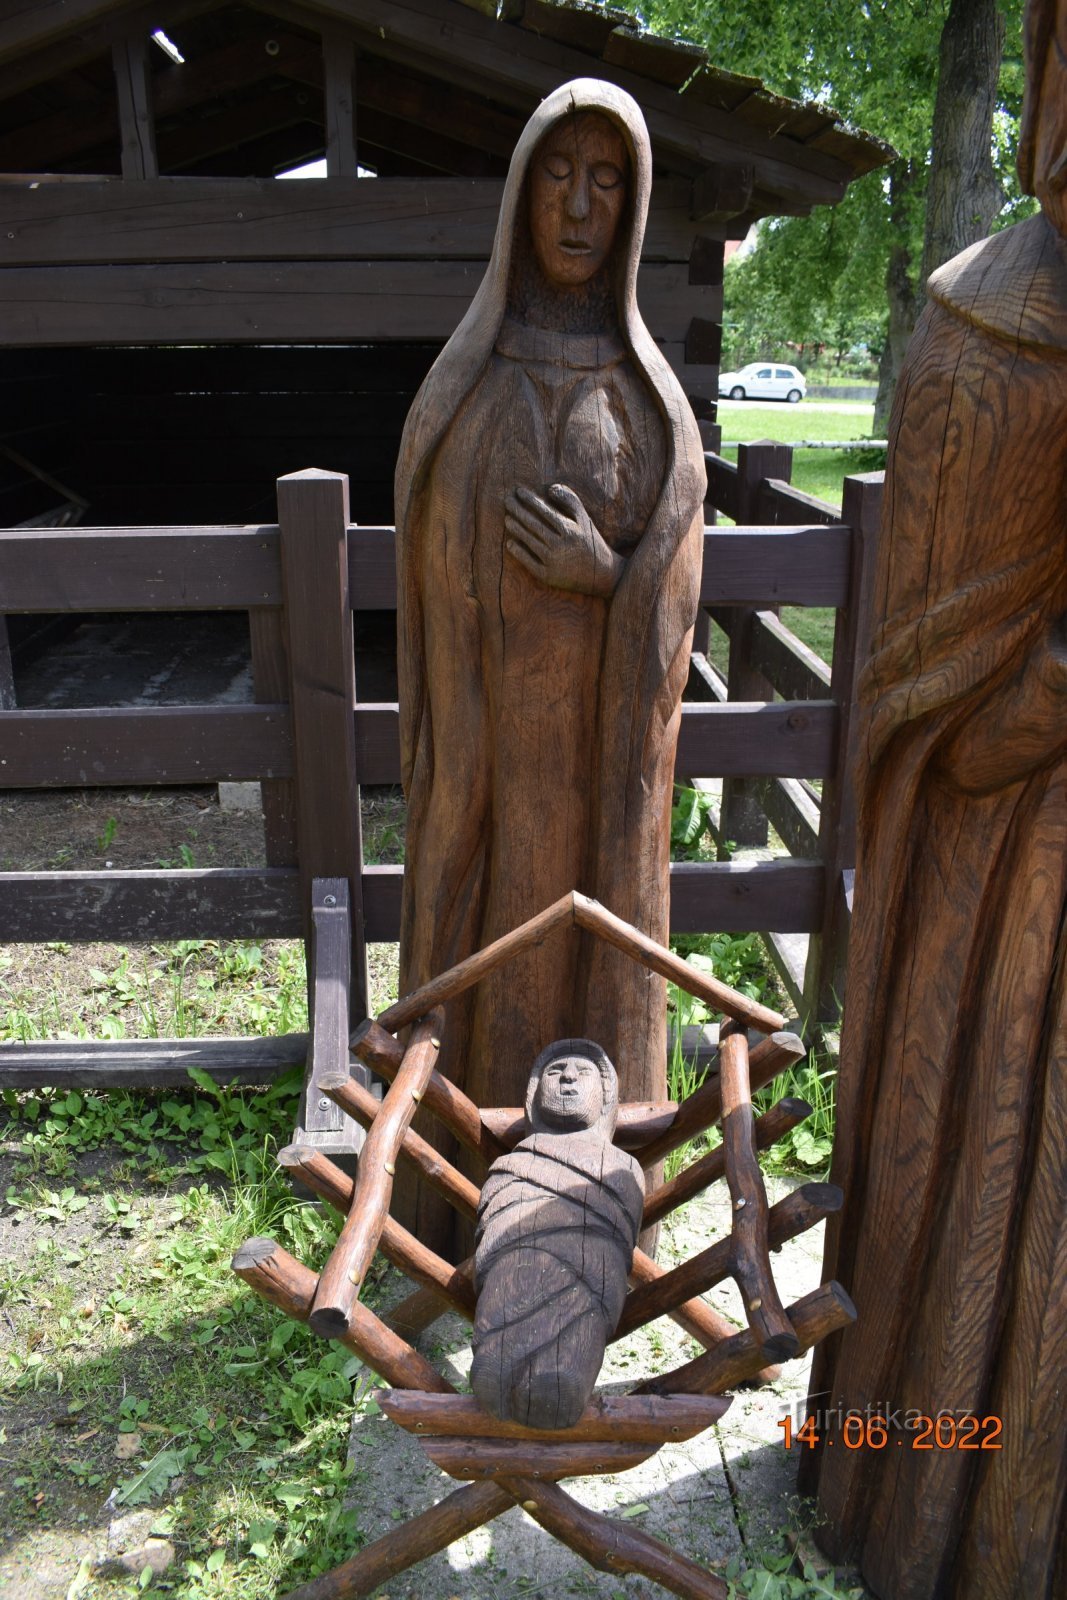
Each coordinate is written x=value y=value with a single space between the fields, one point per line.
x=751 y=1264
x=454 y=1285
x=793 y=1215
x=579 y=910
x=639 y=1121
x=698 y=1319
x=378 y=1050
x=596 y=918
x=646 y=1419
x=704 y=1106
x=740 y=1359
x=342 y=1277
x=708 y=1169
x=277 y=1277
x=441 y=1175
x=286 y=1283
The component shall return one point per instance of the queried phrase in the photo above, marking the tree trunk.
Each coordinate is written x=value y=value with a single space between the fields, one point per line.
x=899 y=292
x=963 y=195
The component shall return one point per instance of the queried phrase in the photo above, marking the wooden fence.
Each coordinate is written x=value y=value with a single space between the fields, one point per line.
x=312 y=744
x=813 y=814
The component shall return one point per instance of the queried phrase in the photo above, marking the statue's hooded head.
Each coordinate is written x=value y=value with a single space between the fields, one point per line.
x=576 y=198
x=1043 y=137
x=572 y=1088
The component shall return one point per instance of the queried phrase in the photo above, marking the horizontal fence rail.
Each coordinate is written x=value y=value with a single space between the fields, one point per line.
x=237 y=569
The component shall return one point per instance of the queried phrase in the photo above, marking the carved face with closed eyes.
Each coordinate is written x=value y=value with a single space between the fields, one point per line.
x=577 y=193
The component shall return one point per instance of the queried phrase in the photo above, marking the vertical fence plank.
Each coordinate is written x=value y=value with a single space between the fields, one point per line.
x=743 y=819
x=861 y=511
x=313 y=522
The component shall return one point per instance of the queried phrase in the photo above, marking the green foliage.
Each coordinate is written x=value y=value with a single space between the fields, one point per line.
x=238 y=1419
x=822 y=278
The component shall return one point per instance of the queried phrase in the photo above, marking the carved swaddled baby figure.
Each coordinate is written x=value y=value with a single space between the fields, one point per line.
x=557 y=1224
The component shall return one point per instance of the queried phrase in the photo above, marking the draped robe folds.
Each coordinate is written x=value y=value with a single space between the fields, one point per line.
x=952 y=1115
x=558 y=1222
x=539 y=725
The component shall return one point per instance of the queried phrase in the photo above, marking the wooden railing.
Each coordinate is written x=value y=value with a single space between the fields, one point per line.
x=813 y=815
x=312 y=745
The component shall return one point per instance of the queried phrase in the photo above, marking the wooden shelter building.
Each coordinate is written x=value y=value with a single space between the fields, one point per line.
x=178 y=328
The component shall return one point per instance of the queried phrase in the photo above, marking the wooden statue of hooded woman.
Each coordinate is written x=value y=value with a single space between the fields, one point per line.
x=549 y=507
x=952 y=1118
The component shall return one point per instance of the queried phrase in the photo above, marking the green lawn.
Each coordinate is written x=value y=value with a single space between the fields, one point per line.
x=818 y=472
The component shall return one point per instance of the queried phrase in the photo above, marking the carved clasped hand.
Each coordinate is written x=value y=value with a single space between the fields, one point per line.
x=555 y=539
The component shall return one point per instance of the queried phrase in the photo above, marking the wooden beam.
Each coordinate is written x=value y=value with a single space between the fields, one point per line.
x=147 y=1063
x=61 y=54
x=48 y=223
x=211 y=903
x=133 y=84
x=150 y=745
x=154 y=569
x=484 y=55
x=27 y=25
x=281 y=301
x=339 y=63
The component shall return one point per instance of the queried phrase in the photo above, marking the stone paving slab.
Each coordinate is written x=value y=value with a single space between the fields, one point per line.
x=726 y=1492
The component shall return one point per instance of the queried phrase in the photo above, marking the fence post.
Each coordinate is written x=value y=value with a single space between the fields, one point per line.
x=742 y=818
x=313 y=527
x=861 y=511
x=711 y=439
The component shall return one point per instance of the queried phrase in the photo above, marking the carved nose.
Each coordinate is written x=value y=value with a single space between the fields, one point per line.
x=578 y=198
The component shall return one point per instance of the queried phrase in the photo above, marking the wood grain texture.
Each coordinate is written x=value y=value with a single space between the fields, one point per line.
x=489 y=1458
x=647 y=1419
x=198 y=903
x=147 y=1063
x=549 y=506
x=954 y=1043
x=108 y=569
x=169 y=745
x=244 y=219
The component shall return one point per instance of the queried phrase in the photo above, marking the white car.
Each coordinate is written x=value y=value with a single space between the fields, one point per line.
x=763 y=380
